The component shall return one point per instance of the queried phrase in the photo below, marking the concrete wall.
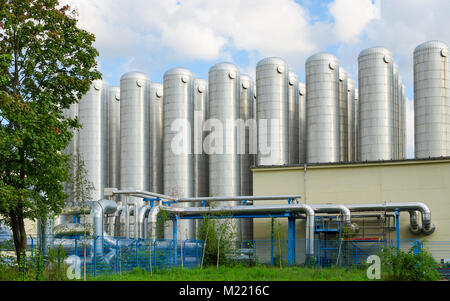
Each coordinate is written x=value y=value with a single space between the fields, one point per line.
x=426 y=181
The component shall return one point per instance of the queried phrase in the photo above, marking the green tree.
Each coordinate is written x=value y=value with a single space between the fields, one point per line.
x=47 y=64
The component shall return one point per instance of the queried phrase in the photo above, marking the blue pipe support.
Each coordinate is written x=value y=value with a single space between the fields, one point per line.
x=291 y=240
x=397 y=227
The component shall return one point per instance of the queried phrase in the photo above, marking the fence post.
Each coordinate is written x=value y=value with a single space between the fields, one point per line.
x=271 y=243
x=95 y=256
x=137 y=253
x=291 y=240
x=397 y=228
x=117 y=256
x=175 y=240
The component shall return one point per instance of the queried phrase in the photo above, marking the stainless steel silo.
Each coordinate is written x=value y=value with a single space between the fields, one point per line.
x=301 y=123
x=113 y=132
x=376 y=97
x=92 y=136
x=351 y=134
x=343 y=115
x=399 y=117
x=403 y=124
x=293 y=97
x=272 y=111
x=322 y=109
x=178 y=129
x=134 y=138
x=156 y=137
x=224 y=108
x=201 y=165
x=431 y=100
x=396 y=111
x=247 y=157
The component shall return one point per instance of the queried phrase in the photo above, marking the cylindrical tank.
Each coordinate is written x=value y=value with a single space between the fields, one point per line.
x=134 y=133
x=72 y=150
x=301 y=123
x=272 y=111
x=395 y=110
x=113 y=131
x=376 y=126
x=201 y=112
x=399 y=117
x=403 y=125
x=156 y=137
x=178 y=118
x=431 y=100
x=246 y=158
x=224 y=109
x=92 y=136
x=322 y=109
x=351 y=119
x=293 y=97
x=343 y=115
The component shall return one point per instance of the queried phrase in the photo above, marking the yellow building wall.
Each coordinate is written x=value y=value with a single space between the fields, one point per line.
x=426 y=181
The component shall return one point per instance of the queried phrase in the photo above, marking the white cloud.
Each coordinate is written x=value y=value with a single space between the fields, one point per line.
x=351 y=18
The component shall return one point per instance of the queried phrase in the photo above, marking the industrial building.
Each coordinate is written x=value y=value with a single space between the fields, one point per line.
x=330 y=150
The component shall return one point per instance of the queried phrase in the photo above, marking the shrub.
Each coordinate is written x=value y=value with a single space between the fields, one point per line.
x=407 y=266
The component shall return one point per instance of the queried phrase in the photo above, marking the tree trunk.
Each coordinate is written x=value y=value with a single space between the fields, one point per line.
x=19 y=234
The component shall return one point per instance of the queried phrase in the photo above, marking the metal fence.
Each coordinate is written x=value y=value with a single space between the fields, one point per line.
x=101 y=255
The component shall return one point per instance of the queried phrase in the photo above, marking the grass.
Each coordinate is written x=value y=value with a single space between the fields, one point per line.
x=240 y=273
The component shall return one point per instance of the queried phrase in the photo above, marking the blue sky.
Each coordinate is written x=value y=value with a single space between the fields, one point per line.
x=153 y=36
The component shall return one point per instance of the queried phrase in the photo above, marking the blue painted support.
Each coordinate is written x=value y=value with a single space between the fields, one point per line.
x=203 y=204
x=291 y=240
x=175 y=239
x=397 y=227
x=95 y=257
x=137 y=253
x=117 y=256
x=76 y=246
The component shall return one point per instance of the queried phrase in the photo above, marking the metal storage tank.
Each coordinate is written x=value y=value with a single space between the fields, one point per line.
x=246 y=159
x=403 y=124
x=201 y=165
x=92 y=136
x=113 y=130
x=134 y=137
x=431 y=100
x=178 y=117
x=322 y=109
x=351 y=134
x=395 y=110
x=293 y=118
x=156 y=137
x=301 y=123
x=376 y=126
x=273 y=107
x=224 y=106
x=343 y=115
x=399 y=117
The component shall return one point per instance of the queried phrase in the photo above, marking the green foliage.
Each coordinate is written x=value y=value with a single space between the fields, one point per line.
x=398 y=265
x=46 y=64
x=219 y=238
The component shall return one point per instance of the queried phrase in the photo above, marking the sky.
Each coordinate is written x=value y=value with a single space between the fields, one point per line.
x=153 y=36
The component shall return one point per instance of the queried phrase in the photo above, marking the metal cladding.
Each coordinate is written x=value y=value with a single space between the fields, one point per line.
x=201 y=165
x=246 y=159
x=376 y=93
x=178 y=121
x=351 y=133
x=224 y=106
x=134 y=132
x=343 y=115
x=301 y=123
x=431 y=100
x=322 y=109
x=273 y=107
x=92 y=136
x=113 y=132
x=156 y=138
x=395 y=146
x=293 y=97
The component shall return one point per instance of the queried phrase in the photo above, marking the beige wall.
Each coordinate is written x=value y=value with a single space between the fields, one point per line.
x=426 y=181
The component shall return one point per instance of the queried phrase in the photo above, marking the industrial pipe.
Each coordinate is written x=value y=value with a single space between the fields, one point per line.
x=98 y=212
x=336 y=208
x=414 y=225
x=427 y=226
x=243 y=210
